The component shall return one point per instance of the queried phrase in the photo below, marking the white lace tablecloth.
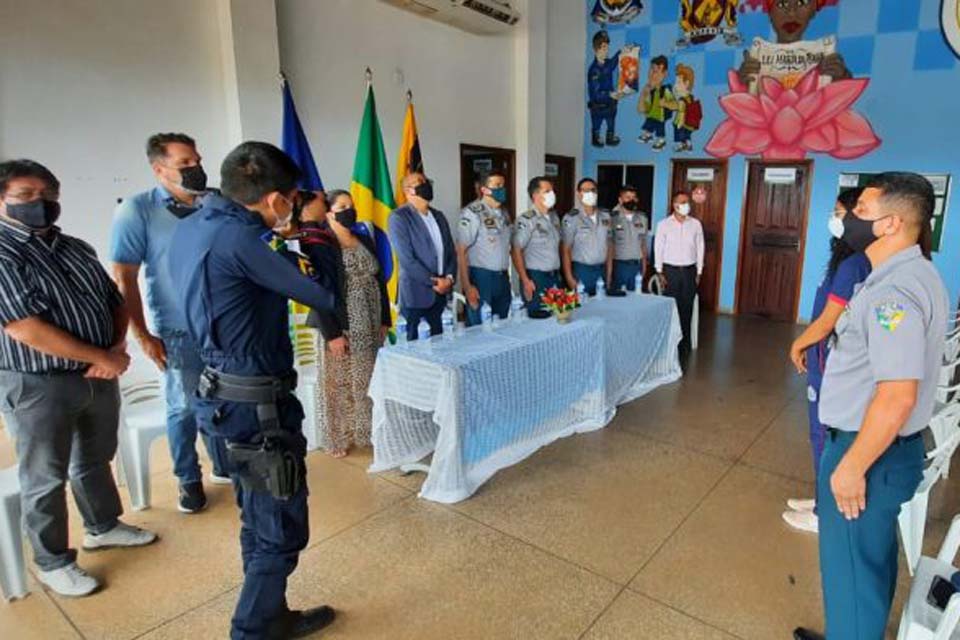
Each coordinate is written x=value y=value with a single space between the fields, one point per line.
x=488 y=399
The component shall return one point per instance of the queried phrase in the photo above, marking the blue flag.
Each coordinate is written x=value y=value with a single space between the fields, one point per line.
x=295 y=143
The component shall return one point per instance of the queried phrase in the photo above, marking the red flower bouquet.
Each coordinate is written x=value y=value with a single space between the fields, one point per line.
x=560 y=302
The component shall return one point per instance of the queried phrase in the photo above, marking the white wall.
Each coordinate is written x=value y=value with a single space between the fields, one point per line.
x=83 y=83
x=462 y=85
x=566 y=78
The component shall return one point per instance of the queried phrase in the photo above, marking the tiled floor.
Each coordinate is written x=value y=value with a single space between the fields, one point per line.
x=665 y=525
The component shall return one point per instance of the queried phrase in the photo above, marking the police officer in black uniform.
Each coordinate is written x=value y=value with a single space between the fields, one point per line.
x=233 y=290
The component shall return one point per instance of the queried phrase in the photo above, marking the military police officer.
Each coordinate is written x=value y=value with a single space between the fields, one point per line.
x=536 y=243
x=233 y=291
x=877 y=397
x=483 y=249
x=587 y=241
x=629 y=240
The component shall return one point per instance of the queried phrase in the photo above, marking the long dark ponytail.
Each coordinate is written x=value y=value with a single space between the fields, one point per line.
x=840 y=250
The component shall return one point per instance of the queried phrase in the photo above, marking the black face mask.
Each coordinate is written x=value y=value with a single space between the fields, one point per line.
x=181 y=210
x=631 y=205
x=193 y=179
x=39 y=214
x=424 y=191
x=346 y=218
x=858 y=233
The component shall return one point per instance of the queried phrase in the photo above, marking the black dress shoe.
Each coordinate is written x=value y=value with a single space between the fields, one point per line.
x=300 y=624
x=805 y=634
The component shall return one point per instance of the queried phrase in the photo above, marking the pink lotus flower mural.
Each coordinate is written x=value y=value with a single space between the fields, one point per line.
x=787 y=124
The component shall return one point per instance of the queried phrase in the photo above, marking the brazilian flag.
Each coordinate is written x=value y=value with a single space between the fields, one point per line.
x=372 y=191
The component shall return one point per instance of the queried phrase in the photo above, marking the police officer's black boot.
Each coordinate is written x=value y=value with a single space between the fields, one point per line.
x=805 y=634
x=597 y=140
x=612 y=139
x=299 y=624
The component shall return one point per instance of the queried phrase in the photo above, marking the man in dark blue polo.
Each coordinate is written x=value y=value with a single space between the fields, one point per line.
x=61 y=351
x=233 y=290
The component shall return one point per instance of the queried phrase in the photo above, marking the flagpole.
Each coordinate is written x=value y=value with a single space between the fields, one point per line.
x=409 y=96
x=369 y=75
x=282 y=78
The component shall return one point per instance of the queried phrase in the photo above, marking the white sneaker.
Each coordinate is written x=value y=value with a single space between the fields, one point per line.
x=800 y=504
x=122 y=535
x=70 y=581
x=215 y=479
x=802 y=520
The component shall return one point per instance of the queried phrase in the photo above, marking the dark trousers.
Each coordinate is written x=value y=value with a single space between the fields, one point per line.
x=858 y=558
x=64 y=426
x=588 y=274
x=494 y=287
x=682 y=287
x=273 y=532
x=544 y=280
x=601 y=115
x=625 y=274
x=432 y=313
x=180 y=380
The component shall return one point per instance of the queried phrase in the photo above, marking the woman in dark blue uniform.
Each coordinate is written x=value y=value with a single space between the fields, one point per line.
x=848 y=267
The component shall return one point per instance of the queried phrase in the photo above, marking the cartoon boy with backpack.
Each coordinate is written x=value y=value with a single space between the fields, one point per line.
x=688 y=112
x=653 y=104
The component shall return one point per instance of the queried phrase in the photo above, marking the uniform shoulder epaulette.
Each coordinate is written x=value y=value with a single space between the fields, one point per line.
x=475 y=206
x=527 y=214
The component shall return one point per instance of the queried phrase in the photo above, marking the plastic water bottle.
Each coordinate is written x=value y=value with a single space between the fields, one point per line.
x=638 y=284
x=601 y=290
x=423 y=330
x=401 y=329
x=582 y=293
x=517 y=312
x=486 y=317
x=446 y=319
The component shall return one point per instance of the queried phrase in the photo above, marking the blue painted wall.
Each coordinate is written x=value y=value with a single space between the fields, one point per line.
x=913 y=103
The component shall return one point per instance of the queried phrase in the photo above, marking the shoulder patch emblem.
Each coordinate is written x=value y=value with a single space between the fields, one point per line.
x=889 y=315
x=476 y=207
x=464 y=222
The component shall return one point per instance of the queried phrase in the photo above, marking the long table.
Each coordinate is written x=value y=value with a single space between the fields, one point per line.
x=485 y=400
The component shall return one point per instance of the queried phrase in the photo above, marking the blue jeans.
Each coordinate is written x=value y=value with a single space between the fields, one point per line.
x=858 y=558
x=601 y=115
x=625 y=274
x=433 y=315
x=180 y=380
x=588 y=274
x=494 y=287
x=681 y=134
x=655 y=127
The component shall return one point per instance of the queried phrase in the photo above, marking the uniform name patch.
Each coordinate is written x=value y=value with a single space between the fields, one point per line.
x=889 y=315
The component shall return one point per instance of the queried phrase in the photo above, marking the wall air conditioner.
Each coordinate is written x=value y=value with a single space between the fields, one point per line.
x=483 y=17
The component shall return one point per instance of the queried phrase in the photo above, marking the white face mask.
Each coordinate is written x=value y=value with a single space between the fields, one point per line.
x=549 y=199
x=835 y=224
x=589 y=198
x=683 y=209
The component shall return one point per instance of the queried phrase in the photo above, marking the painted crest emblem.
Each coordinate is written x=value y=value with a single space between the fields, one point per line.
x=616 y=11
x=704 y=20
x=890 y=315
x=950 y=23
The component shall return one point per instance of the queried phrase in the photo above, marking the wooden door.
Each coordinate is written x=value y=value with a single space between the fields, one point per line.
x=773 y=229
x=562 y=170
x=476 y=160
x=711 y=178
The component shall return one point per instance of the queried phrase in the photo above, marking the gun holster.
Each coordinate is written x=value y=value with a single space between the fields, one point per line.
x=273 y=461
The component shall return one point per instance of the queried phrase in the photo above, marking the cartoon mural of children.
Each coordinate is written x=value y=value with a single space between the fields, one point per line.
x=652 y=104
x=688 y=112
x=602 y=94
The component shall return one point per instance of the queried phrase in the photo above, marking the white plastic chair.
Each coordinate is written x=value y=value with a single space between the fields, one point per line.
x=13 y=572
x=143 y=419
x=654 y=287
x=913 y=514
x=920 y=620
x=306 y=362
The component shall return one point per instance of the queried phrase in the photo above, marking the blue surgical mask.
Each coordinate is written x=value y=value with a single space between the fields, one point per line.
x=499 y=194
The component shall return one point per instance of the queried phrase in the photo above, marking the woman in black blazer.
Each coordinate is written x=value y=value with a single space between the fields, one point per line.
x=345 y=254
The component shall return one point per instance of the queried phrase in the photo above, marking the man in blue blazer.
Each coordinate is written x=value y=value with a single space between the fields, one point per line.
x=420 y=238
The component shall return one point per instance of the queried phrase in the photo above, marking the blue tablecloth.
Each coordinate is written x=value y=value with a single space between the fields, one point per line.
x=488 y=399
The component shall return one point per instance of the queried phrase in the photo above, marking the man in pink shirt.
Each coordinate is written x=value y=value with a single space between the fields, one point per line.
x=678 y=255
